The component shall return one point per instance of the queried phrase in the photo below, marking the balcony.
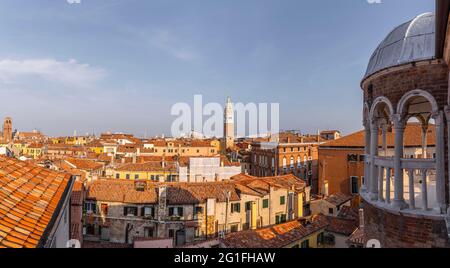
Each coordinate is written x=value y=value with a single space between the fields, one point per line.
x=417 y=192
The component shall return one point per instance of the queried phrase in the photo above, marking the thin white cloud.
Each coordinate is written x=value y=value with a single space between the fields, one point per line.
x=66 y=72
x=168 y=42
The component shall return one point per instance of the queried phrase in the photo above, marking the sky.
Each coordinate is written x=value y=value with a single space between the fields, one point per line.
x=120 y=65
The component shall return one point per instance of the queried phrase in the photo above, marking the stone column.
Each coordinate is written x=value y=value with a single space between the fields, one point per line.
x=399 y=127
x=440 y=162
x=447 y=115
x=373 y=189
x=365 y=186
x=424 y=140
x=384 y=139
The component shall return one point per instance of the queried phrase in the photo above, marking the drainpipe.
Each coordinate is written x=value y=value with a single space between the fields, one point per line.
x=226 y=211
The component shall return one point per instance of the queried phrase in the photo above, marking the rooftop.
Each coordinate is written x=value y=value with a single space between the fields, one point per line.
x=29 y=198
x=276 y=236
x=412 y=138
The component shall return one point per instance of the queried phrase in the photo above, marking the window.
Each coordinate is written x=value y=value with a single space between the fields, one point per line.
x=265 y=203
x=130 y=211
x=248 y=206
x=362 y=158
x=171 y=233
x=281 y=218
x=235 y=208
x=147 y=212
x=128 y=176
x=198 y=210
x=90 y=207
x=152 y=177
x=352 y=158
x=117 y=176
x=176 y=211
x=282 y=200
x=136 y=177
x=354 y=184
x=320 y=238
x=148 y=232
x=305 y=244
x=234 y=228
x=330 y=211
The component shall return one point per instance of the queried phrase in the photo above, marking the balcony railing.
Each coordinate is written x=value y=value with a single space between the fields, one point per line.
x=418 y=189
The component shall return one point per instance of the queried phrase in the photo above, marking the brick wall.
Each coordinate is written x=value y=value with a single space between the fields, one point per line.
x=400 y=231
x=396 y=82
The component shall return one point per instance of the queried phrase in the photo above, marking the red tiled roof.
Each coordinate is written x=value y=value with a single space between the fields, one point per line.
x=124 y=191
x=84 y=164
x=341 y=226
x=358 y=237
x=147 y=167
x=277 y=236
x=121 y=191
x=338 y=199
x=29 y=197
x=412 y=138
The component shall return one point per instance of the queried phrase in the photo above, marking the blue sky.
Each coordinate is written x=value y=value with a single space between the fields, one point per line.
x=119 y=65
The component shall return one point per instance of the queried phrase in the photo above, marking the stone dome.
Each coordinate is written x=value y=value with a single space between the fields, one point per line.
x=410 y=42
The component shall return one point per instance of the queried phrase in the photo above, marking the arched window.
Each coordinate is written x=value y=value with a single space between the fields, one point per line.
x=292 y=162
x=299 y=161
x=284 y=162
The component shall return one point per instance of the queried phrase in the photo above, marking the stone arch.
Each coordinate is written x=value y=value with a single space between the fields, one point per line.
x=408 y=99
x=380 y=101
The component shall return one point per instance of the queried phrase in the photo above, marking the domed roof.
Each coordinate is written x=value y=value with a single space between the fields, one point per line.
x=410 y=42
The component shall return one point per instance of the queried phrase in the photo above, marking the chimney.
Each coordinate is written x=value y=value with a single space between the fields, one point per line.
x=361 y=218
x=216 y=177
x=134 y=158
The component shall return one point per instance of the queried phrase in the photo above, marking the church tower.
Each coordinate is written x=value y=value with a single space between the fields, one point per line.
x=228 y=136
x=7 y=130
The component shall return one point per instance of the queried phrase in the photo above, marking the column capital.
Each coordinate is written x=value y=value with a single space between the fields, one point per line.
x=438 y=117
x=447 y=113
x=399 y=122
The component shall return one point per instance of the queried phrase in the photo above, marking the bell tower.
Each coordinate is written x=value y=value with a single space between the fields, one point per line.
x=228 y=137
x=7 y=130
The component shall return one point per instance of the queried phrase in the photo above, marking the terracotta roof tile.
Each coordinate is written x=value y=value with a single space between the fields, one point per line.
x=29 y=197
x=276 y=236
x=412 y=138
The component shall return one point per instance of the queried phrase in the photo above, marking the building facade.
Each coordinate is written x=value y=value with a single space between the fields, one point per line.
x=125 y=211
x=292 y=154
x=407 y=79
